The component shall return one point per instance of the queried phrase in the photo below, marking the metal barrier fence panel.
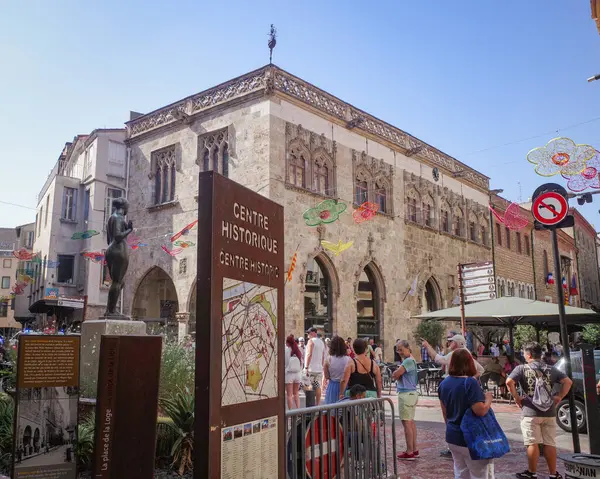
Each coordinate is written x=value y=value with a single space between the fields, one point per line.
x=346 y=440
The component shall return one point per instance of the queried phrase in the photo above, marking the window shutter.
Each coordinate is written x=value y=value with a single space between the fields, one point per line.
x=64 y=203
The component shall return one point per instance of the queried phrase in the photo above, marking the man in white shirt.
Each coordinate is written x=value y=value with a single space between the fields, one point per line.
x=315 y=359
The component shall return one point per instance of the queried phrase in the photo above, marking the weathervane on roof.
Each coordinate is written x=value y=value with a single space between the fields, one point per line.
x=272 y=42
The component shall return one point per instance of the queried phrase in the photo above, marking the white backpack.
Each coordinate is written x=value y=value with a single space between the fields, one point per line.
x=542 y=399
x=294 y=365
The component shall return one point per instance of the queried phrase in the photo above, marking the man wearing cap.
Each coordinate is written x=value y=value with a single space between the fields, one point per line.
x=315 y=359
x=454 y=342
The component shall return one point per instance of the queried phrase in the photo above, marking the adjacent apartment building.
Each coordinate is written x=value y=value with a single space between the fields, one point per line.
x=8 y=272
x=25 y=235
x=72 y=209
x=299 y=145
x=587 y=265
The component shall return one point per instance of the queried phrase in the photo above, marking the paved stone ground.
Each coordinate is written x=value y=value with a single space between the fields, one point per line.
x=430 y=440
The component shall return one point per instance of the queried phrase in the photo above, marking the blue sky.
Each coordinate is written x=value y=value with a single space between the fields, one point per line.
x=466 y=76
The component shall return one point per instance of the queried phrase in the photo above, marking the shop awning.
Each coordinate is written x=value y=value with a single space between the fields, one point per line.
x=47 y=305
x=510 y=311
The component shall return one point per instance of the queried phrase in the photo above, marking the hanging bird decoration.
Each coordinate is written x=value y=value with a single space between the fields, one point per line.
x=173 y=252
x=184 y=244
x=183 y=232
x=272 y=42
x=336 y=248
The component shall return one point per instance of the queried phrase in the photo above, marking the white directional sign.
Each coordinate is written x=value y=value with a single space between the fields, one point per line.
x=478 y=282
x=479 y=297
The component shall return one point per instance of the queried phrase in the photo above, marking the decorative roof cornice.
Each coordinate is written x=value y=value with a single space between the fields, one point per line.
x=272 y=79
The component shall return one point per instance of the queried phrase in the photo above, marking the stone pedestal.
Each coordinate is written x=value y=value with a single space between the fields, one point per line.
x=91 y=332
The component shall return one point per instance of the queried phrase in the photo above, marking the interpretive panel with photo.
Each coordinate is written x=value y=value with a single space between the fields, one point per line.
x=247 y=450
x=45 y=431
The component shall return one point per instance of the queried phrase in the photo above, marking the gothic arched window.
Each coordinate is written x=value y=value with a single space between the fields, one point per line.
x=163 y=162
x=361 y=191
x=214 y=151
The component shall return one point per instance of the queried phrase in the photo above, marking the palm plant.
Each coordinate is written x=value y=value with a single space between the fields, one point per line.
x=6 y=432
x=176 y=369
x=179 y=411
x=84 y=443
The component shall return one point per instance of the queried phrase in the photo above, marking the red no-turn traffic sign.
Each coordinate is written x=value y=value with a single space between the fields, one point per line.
x=550 y=208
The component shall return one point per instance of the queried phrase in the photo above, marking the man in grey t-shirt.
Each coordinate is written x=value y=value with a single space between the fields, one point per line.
x=538 y=427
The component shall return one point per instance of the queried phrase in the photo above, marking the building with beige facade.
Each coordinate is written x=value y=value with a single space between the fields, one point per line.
x=8 y=277
x=298 y=145
x=72 y=209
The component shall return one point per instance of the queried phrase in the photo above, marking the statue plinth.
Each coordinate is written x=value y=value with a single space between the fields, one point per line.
x=91 y=333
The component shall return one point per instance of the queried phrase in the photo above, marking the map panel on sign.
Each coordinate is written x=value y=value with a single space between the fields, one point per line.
x=249 y=342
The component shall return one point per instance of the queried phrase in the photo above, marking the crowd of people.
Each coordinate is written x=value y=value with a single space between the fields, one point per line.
x=340 y=366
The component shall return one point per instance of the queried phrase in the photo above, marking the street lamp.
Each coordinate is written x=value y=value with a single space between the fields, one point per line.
x=594 y=78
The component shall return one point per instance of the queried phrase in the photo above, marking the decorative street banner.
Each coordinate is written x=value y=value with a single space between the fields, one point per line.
x=239 y=366
x=46 y=403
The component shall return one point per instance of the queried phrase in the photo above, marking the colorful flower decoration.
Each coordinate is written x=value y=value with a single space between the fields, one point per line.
x=184 y=231
x=184 y=244
x=292 y=266
x=588 y=178
x=173 y=252
x=327 y=211
x=94 y=256
x=365 y=212
x=52 y=264
x=338 y=247
x=560 y=155
x=25 y=278
x=24 y=255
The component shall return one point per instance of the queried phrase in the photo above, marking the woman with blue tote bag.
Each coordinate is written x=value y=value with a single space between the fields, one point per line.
x=459 y=393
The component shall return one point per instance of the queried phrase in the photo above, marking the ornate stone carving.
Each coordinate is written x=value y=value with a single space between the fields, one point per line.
x=271 y=79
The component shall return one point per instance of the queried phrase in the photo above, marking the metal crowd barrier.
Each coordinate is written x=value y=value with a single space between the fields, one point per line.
x=346 y=440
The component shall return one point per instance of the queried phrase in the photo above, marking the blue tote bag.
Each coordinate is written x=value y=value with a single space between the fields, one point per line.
x=484 y=436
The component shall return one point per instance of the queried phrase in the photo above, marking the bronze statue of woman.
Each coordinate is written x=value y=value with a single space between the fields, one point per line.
x=117 y=254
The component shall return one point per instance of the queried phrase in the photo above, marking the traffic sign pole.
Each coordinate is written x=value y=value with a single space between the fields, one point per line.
x=564 y=336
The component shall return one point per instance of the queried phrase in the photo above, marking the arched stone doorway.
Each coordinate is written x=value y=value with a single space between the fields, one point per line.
x=36 y=440
x=318 y=296
x=432 y=298
x=27 y=436
x=369 y=304
x=155 y=302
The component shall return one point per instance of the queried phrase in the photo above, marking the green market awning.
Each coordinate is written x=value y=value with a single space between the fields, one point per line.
x=510 y=311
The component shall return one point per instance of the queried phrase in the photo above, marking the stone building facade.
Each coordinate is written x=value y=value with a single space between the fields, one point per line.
x=513 y=258
x=298 y=145
x=587 y=265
